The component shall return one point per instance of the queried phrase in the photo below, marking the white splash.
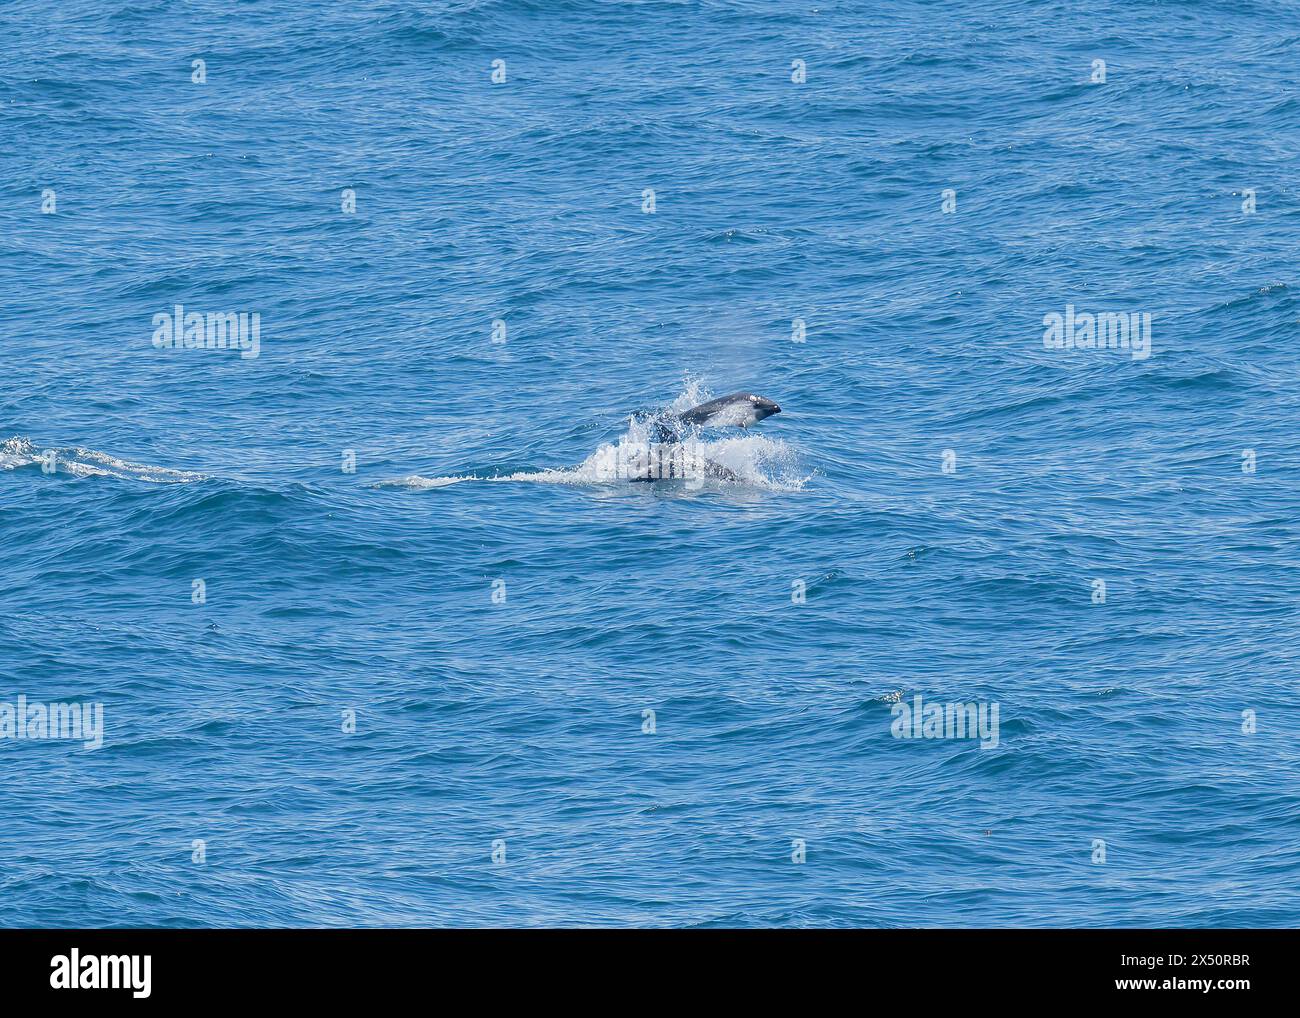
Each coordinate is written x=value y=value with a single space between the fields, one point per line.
x=20 y=452
x=753 y=459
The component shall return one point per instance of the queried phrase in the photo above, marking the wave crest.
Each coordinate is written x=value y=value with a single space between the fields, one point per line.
x=19 y=452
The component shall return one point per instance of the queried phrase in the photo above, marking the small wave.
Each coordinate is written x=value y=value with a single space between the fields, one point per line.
x=21 y=452
x=416 y=482
x=1277 y=291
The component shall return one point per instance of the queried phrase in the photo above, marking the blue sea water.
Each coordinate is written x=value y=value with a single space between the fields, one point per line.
x=943 y=489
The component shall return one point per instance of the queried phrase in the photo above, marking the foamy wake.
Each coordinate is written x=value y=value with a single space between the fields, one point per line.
x=21 y=452
x=752 y=460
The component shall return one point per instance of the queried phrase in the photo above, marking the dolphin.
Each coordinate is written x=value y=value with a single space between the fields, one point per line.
x=740 y=410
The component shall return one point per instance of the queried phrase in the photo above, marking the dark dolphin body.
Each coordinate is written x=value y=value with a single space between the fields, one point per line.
x=740 y=409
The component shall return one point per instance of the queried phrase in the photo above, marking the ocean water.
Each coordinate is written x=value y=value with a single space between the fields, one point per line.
x=933 y=514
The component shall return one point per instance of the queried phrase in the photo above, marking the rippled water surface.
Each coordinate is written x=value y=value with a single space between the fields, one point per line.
x=941 y=491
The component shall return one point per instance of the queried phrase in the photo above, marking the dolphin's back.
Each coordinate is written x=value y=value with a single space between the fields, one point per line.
x=702 y=413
